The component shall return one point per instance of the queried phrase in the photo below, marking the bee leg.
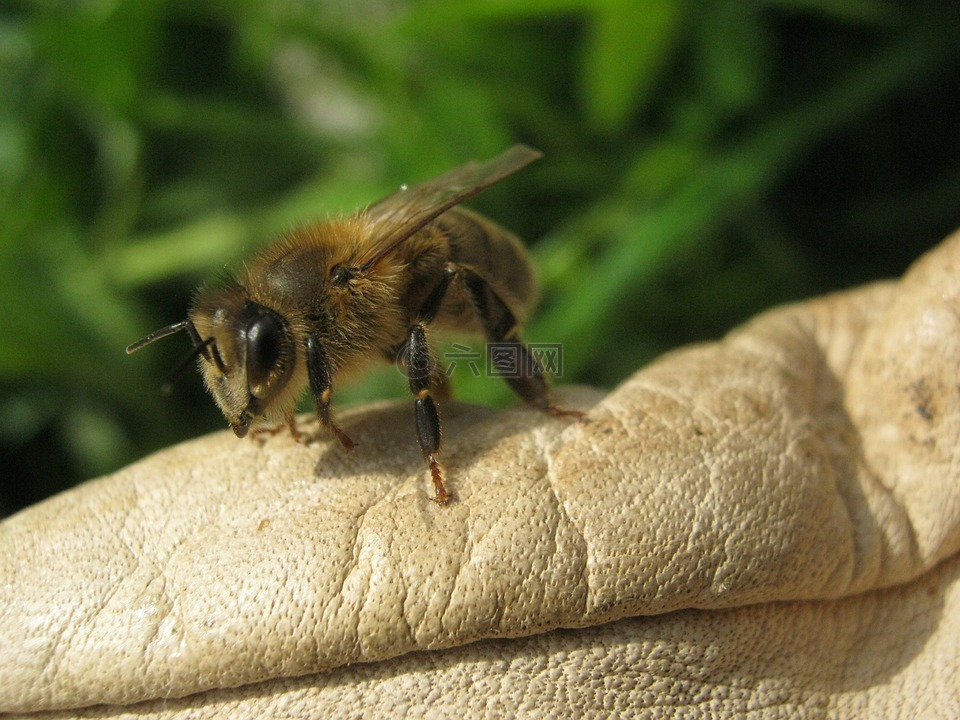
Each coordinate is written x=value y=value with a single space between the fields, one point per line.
x=519 y=367
x=291 y=421
x=321 y=386
x=428 y=419
x=261 y=431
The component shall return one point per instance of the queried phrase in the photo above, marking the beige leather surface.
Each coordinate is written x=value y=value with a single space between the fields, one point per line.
x=765 y=526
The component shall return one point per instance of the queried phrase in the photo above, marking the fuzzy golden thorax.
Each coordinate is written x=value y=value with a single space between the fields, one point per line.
x=259 y=320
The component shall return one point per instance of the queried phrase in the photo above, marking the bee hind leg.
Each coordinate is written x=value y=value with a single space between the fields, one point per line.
x=510 y=357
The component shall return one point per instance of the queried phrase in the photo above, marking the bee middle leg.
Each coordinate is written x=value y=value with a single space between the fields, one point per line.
x=420 y=374
x=423 y=381
x=501 y=326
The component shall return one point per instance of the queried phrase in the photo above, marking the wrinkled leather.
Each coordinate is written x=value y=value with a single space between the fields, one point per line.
x=766 y=525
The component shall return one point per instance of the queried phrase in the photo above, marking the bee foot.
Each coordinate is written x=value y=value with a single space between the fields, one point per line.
x=442 y=497
x=561 y=413
x=260 y=433
x=294 y=431
x=344 y=439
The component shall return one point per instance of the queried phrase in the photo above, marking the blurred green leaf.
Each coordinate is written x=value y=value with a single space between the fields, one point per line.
x=627 y=46
x=853 y=11
x=187 y=250
x=702 y=161
x=99 y=53
x=736 y=57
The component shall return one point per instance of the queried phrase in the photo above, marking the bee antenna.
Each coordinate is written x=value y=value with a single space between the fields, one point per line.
x=157 y=335
x=177 y=372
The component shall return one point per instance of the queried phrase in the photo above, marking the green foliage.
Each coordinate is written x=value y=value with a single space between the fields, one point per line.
x=703 y=161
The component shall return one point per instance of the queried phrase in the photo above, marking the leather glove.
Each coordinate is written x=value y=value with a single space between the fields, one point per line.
x=765 y=525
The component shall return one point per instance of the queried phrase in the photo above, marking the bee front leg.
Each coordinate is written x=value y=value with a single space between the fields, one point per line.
x=289 y=422
x=321 y=386
x=428 y=419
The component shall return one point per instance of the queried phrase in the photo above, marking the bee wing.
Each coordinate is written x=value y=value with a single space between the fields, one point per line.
x=400 y=215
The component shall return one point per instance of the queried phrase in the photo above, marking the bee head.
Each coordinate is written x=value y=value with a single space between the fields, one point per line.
x=250 y=355
x=245 y=351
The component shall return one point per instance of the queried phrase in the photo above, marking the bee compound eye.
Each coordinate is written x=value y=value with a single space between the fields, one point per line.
x=265 y=342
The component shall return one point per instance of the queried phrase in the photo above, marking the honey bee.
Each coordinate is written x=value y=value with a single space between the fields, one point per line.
x=327 y=298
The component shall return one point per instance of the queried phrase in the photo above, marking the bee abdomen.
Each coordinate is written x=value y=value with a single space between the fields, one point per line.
x=495 y=254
